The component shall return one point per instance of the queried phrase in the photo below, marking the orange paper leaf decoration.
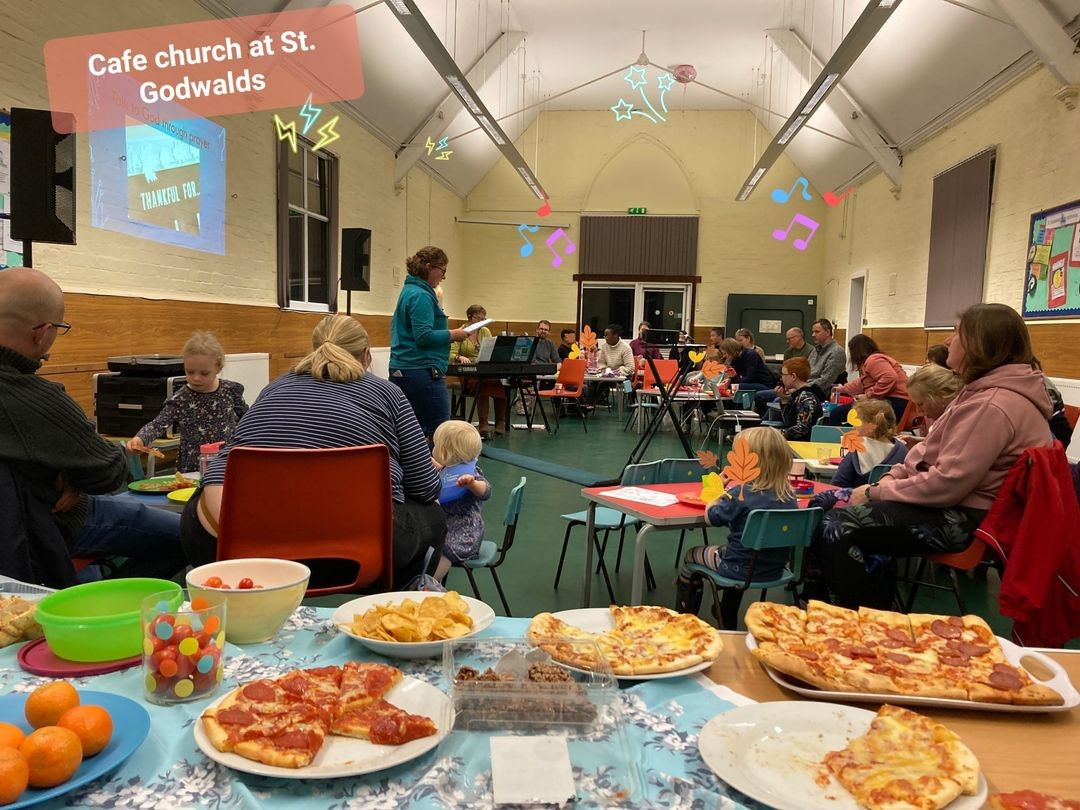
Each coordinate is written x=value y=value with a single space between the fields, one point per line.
x=853 y=442
x=712 y=370
x=707 y=458
x=588 y=337
x=742 y=464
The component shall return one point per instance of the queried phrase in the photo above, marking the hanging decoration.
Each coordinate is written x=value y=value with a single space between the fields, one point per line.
x=637 y=78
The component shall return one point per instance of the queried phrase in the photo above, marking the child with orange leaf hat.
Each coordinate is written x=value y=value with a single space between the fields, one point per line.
x=756 y=478
x=872 y=441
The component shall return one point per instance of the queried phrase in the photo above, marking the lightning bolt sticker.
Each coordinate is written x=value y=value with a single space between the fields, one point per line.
x=287 y=132
x=441 y=145
x=310 y=114
x=429 y=145
x=445 y=155
x=328 y=136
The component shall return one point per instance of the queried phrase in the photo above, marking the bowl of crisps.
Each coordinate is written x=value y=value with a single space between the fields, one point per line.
x=412 y=624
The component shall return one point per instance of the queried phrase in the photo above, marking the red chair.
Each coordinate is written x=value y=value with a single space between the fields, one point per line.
x=329 y=507
x=1072 y=414
x=907 y=418
x=667 y=369
x=966 y=560
x=569 y=386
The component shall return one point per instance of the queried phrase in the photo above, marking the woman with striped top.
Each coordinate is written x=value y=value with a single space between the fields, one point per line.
x=329 y=400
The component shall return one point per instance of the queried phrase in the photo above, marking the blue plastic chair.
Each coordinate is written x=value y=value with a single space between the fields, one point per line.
x=491 y=554
x=829 y=434
x=878 y=471
x=635 y=407
x=765 y=529
x=744 y=400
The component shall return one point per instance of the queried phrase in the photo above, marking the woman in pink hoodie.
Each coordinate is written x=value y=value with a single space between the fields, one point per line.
x=880 y=377
x=937 y=497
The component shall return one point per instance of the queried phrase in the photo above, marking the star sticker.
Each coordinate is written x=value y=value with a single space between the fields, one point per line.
x=636 y=81
x=622 y=110
x=665 y=82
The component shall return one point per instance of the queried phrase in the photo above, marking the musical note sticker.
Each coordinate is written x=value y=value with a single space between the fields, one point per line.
x=780 y=196
x=831 y=199
x=544 y=209
x=555 y=237
x=526 y=249
x=799 y=244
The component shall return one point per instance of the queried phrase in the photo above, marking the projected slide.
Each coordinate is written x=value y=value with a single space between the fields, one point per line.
x=154 y=178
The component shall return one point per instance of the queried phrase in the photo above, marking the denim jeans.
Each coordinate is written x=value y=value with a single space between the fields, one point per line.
x=425 y=388
x=148 y=538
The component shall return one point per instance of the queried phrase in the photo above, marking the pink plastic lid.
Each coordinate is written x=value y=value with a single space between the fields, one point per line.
x=38 y=658
x=214 y=447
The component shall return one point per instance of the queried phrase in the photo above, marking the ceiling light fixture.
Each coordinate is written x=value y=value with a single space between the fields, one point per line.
x=411 y=19
x=874 y=16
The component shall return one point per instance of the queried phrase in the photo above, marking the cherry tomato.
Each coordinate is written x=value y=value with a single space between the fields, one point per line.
x=212 y=582
x=180 y=632
x=226 y=587
x=167 y=654
x=246 y=583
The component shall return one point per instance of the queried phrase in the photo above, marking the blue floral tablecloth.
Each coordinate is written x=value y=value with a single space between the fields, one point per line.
x=660 y=720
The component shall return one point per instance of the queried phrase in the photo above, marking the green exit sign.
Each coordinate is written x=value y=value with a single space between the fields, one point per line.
x=637 y=211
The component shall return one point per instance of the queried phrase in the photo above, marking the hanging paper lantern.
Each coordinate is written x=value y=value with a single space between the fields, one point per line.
x=684 y=74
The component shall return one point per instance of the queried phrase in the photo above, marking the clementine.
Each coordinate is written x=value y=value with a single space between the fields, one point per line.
x=92 y=725
x=11 y=736
x=53 y=754
x=14 y=774
x=46 y=703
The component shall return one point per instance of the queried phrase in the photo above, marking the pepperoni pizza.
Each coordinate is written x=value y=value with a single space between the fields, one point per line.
x=877 y=651
x=283 y=721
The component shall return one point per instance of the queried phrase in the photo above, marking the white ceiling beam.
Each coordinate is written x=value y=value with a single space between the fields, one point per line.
x=435 y=124
x=1051 y=43
x=861 y=126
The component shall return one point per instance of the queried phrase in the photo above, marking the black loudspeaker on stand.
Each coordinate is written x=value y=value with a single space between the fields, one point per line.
x=42 y=178
x=355 y=262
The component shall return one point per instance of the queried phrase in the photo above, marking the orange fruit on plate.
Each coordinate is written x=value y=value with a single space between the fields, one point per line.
x=46 y=703
x=53 y=754
x=91 y=724
x=14 y=774
x=11 y=736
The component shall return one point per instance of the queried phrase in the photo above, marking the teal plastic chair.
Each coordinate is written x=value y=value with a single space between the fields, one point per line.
x=765 y=529
x=878 y=471
x=744 y=400
x=492 y=554
x=636 y=406
x=828 y=434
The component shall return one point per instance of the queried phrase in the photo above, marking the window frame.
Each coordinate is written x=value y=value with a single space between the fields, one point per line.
x=331 y=217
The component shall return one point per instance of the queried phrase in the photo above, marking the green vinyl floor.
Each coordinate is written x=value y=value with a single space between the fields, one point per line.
x=528 y=573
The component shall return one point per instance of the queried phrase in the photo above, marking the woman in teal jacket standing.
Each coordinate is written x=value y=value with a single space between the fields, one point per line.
x=420 y=340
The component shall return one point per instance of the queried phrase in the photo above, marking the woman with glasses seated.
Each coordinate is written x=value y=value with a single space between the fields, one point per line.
x=344 y=407
x=420 y=340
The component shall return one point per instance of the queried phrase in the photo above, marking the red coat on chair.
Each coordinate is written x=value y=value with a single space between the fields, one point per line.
x=1034 y=525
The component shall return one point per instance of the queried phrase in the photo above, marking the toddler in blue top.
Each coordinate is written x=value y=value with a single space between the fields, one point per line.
x=770 y=490
x=459 y=443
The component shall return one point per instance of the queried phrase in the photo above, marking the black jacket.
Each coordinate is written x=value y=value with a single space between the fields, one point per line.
x=33 y=548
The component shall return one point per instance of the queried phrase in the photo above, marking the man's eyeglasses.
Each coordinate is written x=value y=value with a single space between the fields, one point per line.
x=61 y=328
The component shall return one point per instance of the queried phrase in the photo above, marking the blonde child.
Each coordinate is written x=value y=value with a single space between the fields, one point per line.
x=458 y=442
x=206 y=410
x=878 y=431
x=770 y=490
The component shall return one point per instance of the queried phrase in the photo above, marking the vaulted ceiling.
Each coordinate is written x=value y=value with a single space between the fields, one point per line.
x=931 y=59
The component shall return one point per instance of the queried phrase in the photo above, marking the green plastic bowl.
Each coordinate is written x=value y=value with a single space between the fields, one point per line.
x=99 y=621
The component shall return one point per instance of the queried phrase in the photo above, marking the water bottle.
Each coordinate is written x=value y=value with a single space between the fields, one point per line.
x=207 y=453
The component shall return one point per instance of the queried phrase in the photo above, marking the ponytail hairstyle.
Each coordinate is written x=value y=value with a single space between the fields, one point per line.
x=878 y=414
x=426 y=258
x=338 y=342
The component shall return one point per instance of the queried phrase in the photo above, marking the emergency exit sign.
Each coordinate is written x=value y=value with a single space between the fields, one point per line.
x=636 y=211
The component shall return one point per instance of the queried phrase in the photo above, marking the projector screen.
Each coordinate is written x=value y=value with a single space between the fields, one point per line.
x=153 y=178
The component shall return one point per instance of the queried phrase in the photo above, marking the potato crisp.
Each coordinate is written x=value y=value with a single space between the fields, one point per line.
x=436 y=618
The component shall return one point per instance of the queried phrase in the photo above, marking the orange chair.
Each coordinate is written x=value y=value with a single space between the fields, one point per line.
x=304 y=505
x=570 y=385
x=667 y=369
x=966 y=560
x=910 y=412
x=1072 y=414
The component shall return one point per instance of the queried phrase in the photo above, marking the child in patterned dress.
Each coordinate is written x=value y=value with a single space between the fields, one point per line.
x=458 y=442
x=207 y=409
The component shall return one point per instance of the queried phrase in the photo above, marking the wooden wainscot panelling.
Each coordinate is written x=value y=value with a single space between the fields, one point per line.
x=105 y=326
x=1057 y=345
x=903 y=343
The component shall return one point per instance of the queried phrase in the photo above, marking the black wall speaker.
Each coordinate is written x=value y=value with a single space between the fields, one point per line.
x=42 y=178
x=356 y=259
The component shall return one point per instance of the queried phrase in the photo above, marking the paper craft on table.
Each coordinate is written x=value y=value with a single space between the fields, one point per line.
x=531 y=770
x=472 y=327
x=642 y=496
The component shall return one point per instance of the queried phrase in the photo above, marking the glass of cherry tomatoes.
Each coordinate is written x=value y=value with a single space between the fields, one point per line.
x=183 y=648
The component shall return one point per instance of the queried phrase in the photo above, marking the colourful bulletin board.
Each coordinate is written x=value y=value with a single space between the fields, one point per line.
x=1052 y=280
x=10 y=251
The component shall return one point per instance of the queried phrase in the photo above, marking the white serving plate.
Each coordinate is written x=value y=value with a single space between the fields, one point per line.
x=1014 y=654
x=481 y=614
x=599 y=620
x=348 y=756
x=772 y=751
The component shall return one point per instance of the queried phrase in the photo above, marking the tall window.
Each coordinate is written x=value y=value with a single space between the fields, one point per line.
x=307 y=218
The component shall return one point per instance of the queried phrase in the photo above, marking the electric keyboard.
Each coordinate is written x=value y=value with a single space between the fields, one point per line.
x=500 y=369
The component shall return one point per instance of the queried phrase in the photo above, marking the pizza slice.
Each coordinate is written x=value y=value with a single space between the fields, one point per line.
x=382 y=723
x=767 y=620
x=905 y=760
x=1030 y=800
x=363 y=683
